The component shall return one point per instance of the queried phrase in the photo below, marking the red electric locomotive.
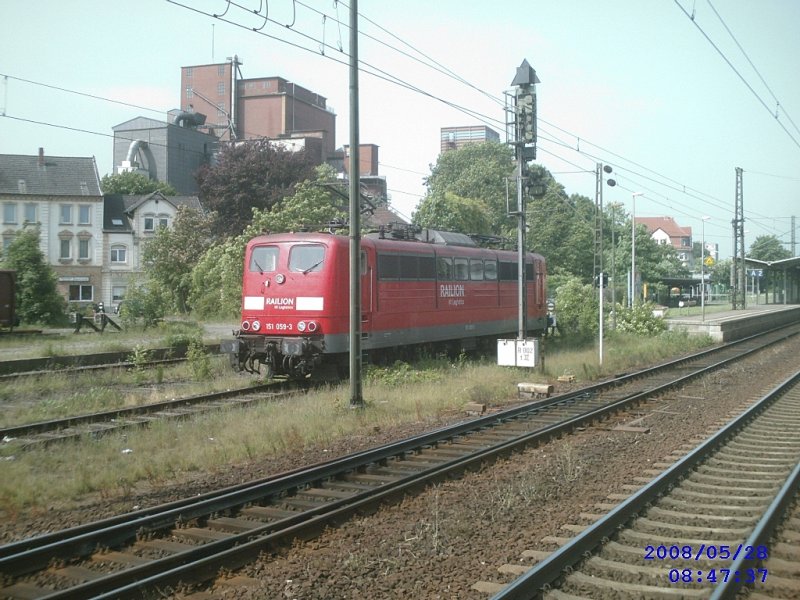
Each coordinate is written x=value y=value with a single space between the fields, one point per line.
x=437 y=288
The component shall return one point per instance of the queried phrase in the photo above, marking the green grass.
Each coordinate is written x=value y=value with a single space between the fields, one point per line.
x=170 y=451
x=65 y=343
x=62 y=395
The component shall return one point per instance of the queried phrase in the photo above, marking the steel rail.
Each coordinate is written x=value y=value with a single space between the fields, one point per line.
x=56 y=425
x=33 y=554
x=75 y=363
x=540 y=577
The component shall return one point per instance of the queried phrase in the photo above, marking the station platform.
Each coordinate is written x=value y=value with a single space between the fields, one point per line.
x=730 y=325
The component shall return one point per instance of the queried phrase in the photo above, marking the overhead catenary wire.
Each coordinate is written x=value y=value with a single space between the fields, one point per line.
x=738 y=74
x=677 y=185
x=778 y=104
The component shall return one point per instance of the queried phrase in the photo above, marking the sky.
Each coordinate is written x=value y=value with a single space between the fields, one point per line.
x=673 y=95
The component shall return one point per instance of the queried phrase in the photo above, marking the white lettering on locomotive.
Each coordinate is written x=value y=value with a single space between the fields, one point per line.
x=451 y=290
x=280 y=303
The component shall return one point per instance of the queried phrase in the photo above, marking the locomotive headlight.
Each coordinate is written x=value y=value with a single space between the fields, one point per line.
x=246 y=325
x=301 y=326
x=280 y=278
x=256 y=325
x=312 y=326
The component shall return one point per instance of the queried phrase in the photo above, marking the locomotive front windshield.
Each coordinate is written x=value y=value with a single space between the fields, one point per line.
x=264 y=259
x=306 y=258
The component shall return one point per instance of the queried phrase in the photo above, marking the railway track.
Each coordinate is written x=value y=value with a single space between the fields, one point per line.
x=36 y=367
x=102 y=423
x=191 y=540
x=702 y=529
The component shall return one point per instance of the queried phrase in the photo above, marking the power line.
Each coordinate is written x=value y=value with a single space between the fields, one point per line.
x=84 y=94
x=766 y=85
x=365 y=68
x=735 y=70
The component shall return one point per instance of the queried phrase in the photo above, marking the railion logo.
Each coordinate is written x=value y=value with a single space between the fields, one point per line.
x=281 y=302
x=451 y=290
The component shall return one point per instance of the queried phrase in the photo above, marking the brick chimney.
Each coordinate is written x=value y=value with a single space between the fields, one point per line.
x=41 y=157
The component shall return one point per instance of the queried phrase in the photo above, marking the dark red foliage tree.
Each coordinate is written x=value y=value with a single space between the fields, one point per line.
x=247 y=175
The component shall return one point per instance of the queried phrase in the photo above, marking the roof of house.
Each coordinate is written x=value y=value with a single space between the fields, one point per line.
x=382 y=216
x=666 y=224
x=49 y=175
x=118 y=209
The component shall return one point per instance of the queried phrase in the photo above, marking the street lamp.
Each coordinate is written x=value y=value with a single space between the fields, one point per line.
x=633 y=248
x=703 y=268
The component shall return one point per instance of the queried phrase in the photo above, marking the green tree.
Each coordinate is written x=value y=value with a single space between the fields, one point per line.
x=450 y=212
x=478 y=172
x=654 y=261
x=174 y=251
x=249 y=175
x=312 y=206
x=577 y=310
x=134 y=184
x=561 y=228
x=217 y=278
x=768 y=248
x=147 y=301
x=38 y=300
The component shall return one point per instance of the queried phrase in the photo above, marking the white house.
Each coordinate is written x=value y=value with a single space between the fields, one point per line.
x=60 y=195
x=129 y=221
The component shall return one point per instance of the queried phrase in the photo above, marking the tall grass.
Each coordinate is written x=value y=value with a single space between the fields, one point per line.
x=167 y=334
x=166 y=451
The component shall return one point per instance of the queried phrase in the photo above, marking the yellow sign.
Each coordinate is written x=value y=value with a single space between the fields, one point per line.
x=709 y=261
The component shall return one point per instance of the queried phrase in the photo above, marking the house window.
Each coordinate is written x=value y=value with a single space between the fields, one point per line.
x=65 y=214
x=83 y=249
x=80 y=293
x=149 y=224
x=7 y=239
x=84 y=214
x=188 y=72
x=65 y=249
x=221 y=88
x=189 y=92
x=9 y=212
x=220 y=112
x=119 y=254
x=118 y=293
x=221 y=70
x=163 y=222
x=30 y=213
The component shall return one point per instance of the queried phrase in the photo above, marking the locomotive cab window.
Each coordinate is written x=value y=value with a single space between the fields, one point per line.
x=444 y=268
x=306 y=258
x=461 y=269
x=264 y=259
x=490 y=270
x=476 y=269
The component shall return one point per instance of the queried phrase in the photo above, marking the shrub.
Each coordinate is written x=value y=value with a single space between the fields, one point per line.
x=639 y=320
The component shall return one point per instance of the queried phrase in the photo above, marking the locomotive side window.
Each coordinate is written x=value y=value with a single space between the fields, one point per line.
x=444 y=268
x=476 y=269
x=264 y=259
x=388 y=266
x=407 y=268
x=529 y=272
x=508 y=271
x=306 y=257
x=461 y=269
x=490 y=270
x=427 y=268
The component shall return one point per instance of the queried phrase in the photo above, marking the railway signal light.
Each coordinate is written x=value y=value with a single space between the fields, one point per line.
x=526 y=117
